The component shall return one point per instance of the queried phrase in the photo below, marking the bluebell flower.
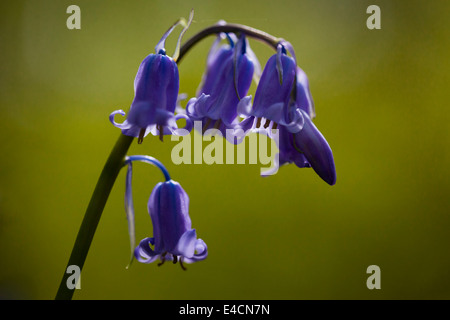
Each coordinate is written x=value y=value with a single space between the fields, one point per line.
x=156 y=90
x=273 y=97
x=283 y=101
x=228 y=76
x=173 y=237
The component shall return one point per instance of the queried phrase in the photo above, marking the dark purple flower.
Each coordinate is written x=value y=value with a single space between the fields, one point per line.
x=173 y=237
x=156 y=90
x=129 y=208
x=228 y=76
x=283 y=101
x=274 y=95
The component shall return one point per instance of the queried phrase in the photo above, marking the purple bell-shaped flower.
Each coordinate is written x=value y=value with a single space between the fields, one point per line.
x=173 y=237
x=156 y=91
x=228 y=77
x=283 y=102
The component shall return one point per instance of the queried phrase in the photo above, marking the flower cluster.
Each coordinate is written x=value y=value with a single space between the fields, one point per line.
x=282 y=102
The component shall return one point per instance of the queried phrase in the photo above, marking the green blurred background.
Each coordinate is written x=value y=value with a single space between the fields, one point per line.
x=381 y=98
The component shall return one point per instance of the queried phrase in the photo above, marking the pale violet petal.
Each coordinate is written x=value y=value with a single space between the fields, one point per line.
x=144 y=253
x=124 y=125
x=186 y=245
x=244 y=106
x=201 y=252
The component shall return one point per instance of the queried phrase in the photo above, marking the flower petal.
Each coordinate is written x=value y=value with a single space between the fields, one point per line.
x=186 y=245
x=143 y=253
x=297 y=122
x=187 y=128
x=124 y=125
x=275 y=112
x=244 y=106
x=213 y=50
x=275 y=87
x=316 y=150
x=172 y=127
x=168 y=207
x=202 y=252
x=197 y=108
x=304 y=98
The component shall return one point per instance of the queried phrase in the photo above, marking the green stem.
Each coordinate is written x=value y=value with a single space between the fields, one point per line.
x=94 y=211
x=229 y=28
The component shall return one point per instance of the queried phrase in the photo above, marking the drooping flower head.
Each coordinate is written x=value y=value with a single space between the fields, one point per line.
x=228 y=76
x=283 y=101
x=156 y=90
x=273 y=97
x=173 y=237
x=289 y=151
